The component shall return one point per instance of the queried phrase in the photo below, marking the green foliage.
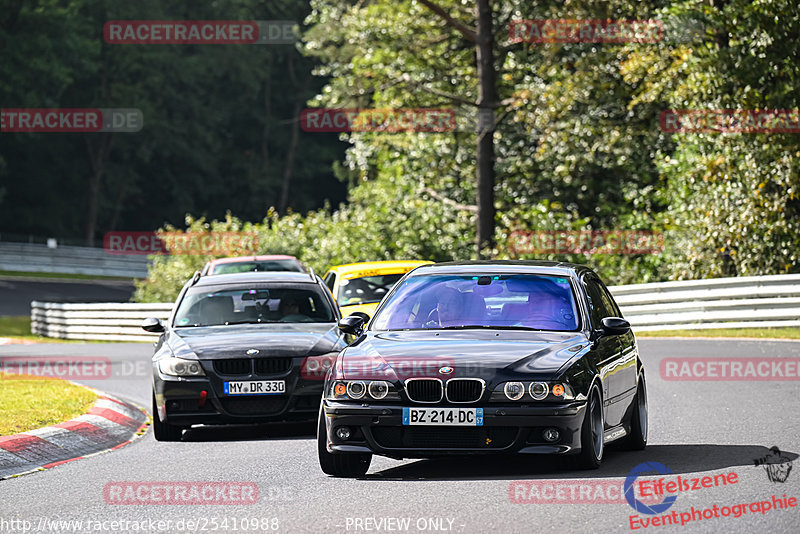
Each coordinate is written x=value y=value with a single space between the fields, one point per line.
x=578 y=144
x=382 y=221
x=217 y=119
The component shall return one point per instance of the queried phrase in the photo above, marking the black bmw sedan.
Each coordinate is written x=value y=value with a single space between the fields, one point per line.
x=482 y=358
x=243 y=348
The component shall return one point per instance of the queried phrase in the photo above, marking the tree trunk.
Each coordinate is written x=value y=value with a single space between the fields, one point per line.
x=288 y=166
x=265 y=138
x=487 y=102
x=98 y=155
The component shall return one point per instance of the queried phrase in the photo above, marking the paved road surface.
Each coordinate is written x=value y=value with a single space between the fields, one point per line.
x=701 y=428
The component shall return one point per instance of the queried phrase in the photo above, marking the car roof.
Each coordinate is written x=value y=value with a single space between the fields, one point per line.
x=257 y=277
x=242 y=259
x=503 y=266
x=386 y=266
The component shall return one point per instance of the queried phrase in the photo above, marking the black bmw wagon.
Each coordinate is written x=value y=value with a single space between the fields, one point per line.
x=485 y=358
x=243 y=348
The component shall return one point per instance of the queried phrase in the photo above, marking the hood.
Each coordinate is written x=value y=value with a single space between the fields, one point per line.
x=486 y=354
x=271 y=339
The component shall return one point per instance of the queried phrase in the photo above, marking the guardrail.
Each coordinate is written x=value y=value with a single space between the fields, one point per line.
x=72 y=260
x=109 y=321
x=742 y=302
x=750 y=301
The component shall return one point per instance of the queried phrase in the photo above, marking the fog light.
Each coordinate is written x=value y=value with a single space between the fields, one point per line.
x=550 y=434
x=343 y=433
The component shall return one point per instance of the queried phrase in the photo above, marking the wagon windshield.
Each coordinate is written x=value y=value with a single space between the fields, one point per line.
x=534 y=302
x=203 y=306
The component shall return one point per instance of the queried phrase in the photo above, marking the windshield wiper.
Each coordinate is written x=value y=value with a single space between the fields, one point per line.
x=245 y=322
x=490 y=327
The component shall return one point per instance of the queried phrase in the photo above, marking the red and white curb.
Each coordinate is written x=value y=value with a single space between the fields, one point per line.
x=15 y=341
x=108 y=425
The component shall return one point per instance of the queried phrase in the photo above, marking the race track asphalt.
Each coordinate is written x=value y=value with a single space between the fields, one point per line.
x=16 y=294
x=697 y=428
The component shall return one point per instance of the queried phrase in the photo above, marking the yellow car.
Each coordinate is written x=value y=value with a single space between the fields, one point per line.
x=359 y=287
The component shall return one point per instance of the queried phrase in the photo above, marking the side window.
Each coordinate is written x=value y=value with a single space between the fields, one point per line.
x=608 y=300
x=600 y=303
x=330 y=279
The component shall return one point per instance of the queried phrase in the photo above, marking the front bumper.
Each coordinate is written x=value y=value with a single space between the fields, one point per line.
x=180 y=400
x=378 y=429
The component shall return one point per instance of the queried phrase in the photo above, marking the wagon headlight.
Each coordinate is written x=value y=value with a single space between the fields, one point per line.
x=180 y=367
x=362 y=389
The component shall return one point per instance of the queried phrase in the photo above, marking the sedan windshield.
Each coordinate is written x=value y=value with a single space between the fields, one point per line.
x=204 y=306
x=534 y=302
x=366 y=289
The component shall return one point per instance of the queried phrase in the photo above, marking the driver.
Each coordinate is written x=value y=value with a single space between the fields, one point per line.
x=449 y=308
x=546 y=309
x=290 y=308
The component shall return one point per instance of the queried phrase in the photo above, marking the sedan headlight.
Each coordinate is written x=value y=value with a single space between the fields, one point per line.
x=362 y=389
x=536 y=391
x=514 y=390
x=180 y=367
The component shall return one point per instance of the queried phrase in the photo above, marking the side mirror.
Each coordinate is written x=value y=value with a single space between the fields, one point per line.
x=354 y=323
x=153 y=324
x=615 y=326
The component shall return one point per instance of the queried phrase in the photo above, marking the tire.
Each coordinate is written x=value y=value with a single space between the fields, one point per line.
x=592 y=448
x=164 y=431
x=346 y=465
x=637 y=439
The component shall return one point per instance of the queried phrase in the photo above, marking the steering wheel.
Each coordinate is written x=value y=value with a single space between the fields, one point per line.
x=544 y=322
x=432 y=319
x=296 y=318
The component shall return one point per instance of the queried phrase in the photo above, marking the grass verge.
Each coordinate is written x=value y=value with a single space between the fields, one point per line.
x=761 y=333
x=30 y=402
x=20 y=328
